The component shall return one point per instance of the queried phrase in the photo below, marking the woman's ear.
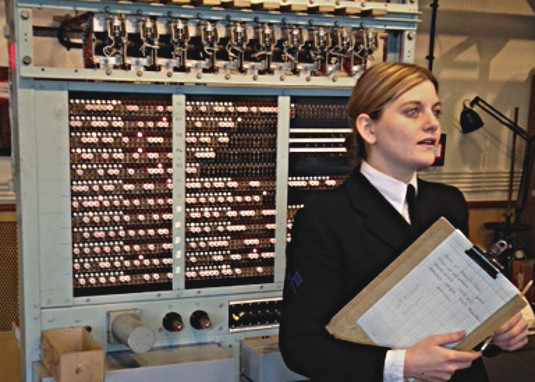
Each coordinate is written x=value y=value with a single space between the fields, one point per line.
x=366 y=128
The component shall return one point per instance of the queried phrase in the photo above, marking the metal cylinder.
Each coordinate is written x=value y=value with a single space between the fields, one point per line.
x=128 y=329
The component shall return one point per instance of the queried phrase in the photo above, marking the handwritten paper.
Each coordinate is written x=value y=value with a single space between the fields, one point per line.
x=446 y=292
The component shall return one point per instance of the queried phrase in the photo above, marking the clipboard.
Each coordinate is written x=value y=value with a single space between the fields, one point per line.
x=353 y=322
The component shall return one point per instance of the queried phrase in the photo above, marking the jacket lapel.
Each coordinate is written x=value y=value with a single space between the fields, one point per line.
x=382 y=219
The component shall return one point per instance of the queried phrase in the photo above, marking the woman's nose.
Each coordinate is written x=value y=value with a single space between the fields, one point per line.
x=432 y=121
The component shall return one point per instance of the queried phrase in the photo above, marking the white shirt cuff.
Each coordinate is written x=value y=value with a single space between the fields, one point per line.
x=394 y=365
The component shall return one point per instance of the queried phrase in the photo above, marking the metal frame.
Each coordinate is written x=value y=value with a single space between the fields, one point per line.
x=41 y=165
x=404 y=18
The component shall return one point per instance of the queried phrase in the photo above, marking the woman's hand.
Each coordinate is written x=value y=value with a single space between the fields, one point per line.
x=429 y=361
x=512 y=335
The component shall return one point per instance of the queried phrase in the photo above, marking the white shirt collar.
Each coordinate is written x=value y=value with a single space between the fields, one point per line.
x=392 y=189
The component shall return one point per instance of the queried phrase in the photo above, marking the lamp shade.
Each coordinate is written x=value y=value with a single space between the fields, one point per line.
x=470 y=120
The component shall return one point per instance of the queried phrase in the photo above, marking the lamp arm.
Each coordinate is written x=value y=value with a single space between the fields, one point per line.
x=497 y=115
x=523 y=191
x=527 y=166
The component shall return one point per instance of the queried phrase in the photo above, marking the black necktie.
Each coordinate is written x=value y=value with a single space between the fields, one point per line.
x=411 y=203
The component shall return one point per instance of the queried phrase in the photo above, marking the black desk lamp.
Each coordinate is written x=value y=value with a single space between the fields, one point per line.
x=470 y=121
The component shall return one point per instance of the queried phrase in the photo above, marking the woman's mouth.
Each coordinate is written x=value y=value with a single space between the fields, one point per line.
x=428 y=142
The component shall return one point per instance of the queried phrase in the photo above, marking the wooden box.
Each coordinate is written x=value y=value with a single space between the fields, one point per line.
x=72 y=355
x=521 y=274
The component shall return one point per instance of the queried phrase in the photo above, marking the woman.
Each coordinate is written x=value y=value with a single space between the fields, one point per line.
x=342 y=241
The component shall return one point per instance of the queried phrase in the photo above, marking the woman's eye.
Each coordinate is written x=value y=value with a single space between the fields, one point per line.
x=437 y=113
x=412 y=112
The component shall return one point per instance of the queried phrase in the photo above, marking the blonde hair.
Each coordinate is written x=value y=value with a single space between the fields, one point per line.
x=376 y=87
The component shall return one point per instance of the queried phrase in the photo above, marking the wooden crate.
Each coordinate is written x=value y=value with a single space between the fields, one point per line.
x=521 y=274
x=72 y=355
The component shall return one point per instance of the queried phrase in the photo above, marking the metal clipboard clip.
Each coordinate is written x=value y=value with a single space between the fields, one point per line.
x=479 y=257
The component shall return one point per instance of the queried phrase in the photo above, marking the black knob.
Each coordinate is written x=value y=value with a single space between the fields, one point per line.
x=172 y=322
x=200 y=320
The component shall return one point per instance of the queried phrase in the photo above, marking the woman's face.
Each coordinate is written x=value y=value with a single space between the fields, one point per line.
x=404 y=139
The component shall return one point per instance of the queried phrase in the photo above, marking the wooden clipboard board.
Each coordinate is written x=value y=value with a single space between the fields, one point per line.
x=344 y=324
